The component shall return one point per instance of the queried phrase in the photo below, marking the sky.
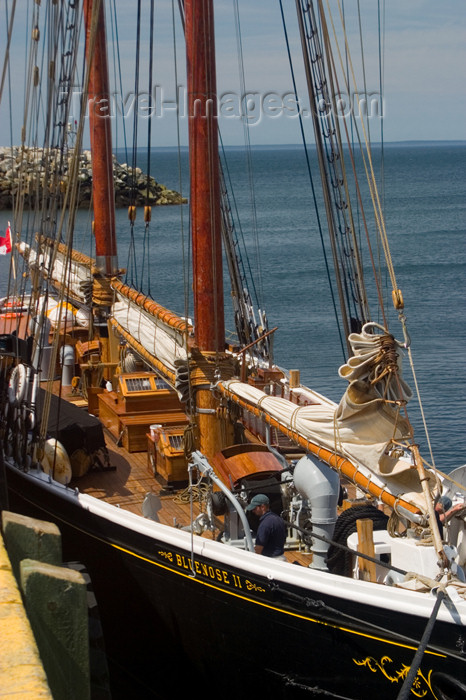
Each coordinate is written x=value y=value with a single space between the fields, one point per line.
x=423 y=59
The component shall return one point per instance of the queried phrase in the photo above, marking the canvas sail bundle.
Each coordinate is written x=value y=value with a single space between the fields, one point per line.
x=77 y=276
x=156 y=337
x=367 y=426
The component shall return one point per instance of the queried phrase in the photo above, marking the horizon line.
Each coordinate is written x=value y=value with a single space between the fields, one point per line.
x=274 y=144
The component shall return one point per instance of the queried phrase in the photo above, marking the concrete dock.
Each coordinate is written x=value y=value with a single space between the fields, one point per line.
x=44 y=607
x=21 y=672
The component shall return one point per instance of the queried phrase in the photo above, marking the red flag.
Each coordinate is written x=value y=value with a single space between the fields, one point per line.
x=5 y=241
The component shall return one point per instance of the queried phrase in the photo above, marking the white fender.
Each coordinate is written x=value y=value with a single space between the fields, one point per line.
x=60 y=313
x=55 y=453
x=82 y=317
x=17 y=385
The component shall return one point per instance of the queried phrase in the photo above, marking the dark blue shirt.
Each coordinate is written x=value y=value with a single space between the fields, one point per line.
x=271 y=534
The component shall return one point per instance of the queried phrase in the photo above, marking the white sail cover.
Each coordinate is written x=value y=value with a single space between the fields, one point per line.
x=75 y=276
x=362 y=426
x=159 y=339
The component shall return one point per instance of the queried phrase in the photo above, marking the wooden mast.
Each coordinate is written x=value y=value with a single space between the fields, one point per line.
x=204 y=176
x=205 y=207
x=101 y=138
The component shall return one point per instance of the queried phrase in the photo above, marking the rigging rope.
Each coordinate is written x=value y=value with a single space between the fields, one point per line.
x=9 y=23
x=117 y=64
x=354 y=126
x=381 y=32
x=347 y=267
x=405 y=691
x=70 y=194
x=132 y=269
x=147 y=208
x=368 y=164
x=350 y=255
x=185 y=239
x=311 y=180
x=378 y=212
x=247 y=142
x=6 y=61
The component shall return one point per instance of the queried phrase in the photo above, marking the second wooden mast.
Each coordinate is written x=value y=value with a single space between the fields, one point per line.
x=205 y=215
x=101 y=139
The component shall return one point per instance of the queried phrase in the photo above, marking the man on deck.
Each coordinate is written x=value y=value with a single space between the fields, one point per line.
x=271 y=533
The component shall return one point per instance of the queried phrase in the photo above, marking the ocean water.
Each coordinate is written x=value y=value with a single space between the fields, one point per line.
x=425 y=211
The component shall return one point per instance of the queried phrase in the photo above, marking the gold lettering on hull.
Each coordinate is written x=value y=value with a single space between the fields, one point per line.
x=207 y=571
x=421 y=687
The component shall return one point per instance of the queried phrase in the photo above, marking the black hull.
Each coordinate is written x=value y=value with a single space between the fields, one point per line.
x=226 y=630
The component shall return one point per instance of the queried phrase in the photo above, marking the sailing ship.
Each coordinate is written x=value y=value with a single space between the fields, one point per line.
x=158 y=432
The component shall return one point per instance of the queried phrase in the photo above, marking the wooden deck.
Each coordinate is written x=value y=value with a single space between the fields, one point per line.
x=127 y=485
x=133 y=479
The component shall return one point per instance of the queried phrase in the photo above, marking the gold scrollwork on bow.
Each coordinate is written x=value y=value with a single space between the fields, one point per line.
x=421 y=685
x=167 y=555
x=254 y=587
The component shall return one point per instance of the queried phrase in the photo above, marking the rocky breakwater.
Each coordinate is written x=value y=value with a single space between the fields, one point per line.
x=35 y=172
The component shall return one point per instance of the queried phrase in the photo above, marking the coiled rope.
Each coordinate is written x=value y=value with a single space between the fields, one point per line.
x=339 y=560
x=197 y=492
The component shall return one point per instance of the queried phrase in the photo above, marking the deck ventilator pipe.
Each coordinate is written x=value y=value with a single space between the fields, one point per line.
x=319 y=485
x=67 y=363
x=204 y=467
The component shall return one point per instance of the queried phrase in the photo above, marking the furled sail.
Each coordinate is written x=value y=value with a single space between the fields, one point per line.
x=74 y=272
x=366 y=427
x=368 y=416
x=159 y=339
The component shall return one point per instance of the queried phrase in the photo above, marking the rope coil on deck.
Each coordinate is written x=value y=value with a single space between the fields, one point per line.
x=198 y=492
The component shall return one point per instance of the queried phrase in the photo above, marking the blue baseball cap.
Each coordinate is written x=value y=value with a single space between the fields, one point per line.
x=445 y=502
x=259 y=500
